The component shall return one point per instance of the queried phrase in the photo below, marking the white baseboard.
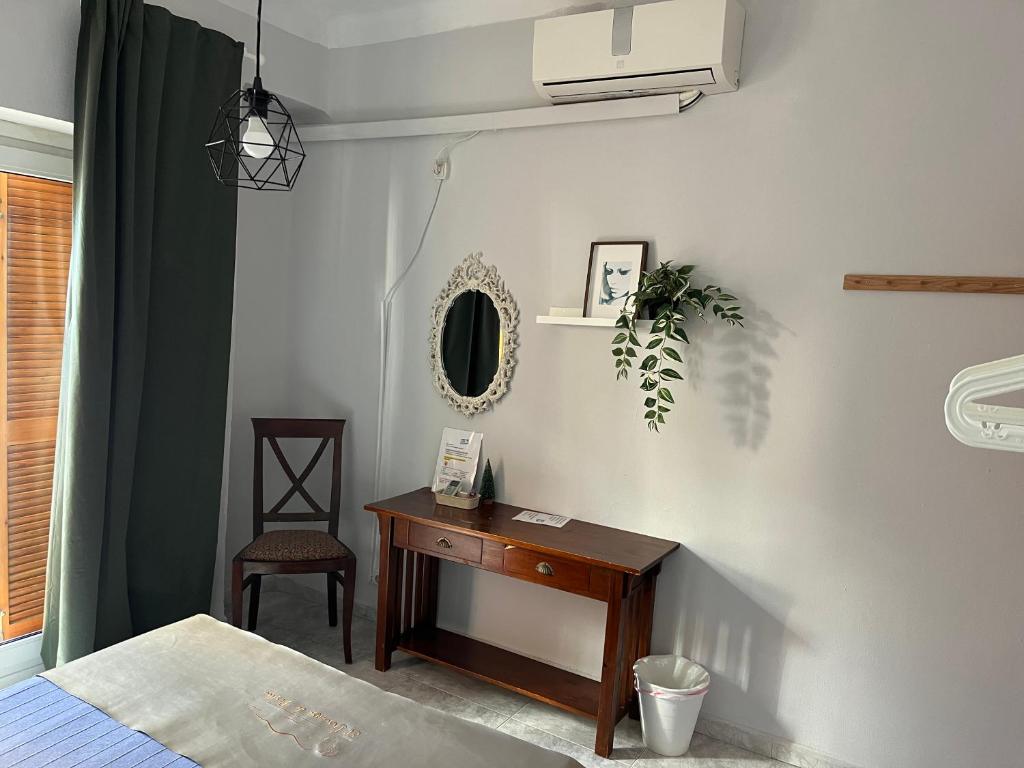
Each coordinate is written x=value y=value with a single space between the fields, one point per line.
x=767 y=745
x=19 y=659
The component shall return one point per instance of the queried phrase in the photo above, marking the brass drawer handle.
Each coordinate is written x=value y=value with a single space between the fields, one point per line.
x=545 y=570
x=443 y=543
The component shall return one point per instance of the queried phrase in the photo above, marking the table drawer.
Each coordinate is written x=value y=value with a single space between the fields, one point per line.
x=547 y=570
x=442 y=543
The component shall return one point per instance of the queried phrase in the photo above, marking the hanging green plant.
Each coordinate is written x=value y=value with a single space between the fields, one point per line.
x=668 y=297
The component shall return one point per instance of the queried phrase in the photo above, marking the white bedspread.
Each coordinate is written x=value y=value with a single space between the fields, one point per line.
x=224 y=697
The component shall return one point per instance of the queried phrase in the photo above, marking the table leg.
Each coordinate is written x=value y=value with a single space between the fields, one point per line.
x=608 y=701
x=387 y=592
x=630 y=648
x=645 y=619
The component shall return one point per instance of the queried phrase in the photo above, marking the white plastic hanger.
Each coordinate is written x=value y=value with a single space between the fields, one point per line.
x=987 y=426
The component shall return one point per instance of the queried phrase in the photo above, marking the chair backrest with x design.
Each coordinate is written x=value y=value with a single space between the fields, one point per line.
x=272 y=430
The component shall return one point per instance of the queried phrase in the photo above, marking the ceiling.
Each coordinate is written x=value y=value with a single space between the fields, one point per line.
x=346 y=23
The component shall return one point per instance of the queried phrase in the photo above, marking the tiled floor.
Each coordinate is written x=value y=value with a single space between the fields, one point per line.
x=302 y=625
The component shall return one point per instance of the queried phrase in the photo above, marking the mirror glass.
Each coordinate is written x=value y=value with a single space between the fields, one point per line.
x=471 y=343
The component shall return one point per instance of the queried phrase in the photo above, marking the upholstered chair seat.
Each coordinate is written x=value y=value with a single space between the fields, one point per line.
x=295 y=546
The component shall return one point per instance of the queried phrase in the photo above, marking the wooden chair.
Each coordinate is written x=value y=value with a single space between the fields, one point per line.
x=292 y=550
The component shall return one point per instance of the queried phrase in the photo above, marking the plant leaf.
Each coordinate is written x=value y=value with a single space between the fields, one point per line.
x=670 y=288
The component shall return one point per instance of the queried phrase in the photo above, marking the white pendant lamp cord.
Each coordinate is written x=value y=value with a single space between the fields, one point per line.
x=385 y=338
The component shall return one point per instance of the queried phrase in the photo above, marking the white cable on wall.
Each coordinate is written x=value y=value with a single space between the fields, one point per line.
x=441 y=169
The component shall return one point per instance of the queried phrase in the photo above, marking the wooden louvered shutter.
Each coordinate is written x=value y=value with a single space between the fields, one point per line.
x=35 y=246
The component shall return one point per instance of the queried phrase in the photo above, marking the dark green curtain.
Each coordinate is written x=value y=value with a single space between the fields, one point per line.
x=141 y=429
x=471 y=343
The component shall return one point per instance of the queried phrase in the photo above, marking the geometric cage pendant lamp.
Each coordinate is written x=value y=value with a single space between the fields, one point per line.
x=253 y=143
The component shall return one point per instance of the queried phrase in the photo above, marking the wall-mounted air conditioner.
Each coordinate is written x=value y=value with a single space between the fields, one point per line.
x=666 y=47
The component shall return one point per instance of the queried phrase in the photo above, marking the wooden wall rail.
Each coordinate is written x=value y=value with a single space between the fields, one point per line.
x=933 y=283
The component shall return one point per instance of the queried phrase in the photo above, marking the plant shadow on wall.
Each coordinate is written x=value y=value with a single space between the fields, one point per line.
x=735 y=627
x=741 y=364
x=744 y=386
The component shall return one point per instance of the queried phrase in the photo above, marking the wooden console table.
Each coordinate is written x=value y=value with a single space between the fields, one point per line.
x=616 y=567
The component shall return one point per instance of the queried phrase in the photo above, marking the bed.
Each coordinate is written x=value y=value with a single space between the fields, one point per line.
x=200 y=692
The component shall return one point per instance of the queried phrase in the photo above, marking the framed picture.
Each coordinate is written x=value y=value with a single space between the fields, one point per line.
x=613 y=275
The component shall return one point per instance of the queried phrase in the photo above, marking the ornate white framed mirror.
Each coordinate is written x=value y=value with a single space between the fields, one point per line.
x=473 y=337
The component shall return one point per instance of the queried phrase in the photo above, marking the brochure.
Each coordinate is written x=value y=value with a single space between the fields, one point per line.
x=458 y=458
x=542 y=518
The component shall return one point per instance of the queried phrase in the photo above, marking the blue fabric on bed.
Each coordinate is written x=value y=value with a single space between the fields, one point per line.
x=43 y=725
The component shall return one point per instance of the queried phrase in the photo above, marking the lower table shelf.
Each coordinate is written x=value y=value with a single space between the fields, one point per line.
x=540 y=681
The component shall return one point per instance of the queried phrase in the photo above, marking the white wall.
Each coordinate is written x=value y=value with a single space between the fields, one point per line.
x=37 y=56
x=305 y=327
x=468 y=70
x=851 y=573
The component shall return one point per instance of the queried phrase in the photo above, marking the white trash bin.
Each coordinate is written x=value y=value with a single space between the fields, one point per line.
x=671 y=691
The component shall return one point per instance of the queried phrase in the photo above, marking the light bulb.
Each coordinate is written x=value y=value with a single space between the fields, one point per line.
x=257 y=141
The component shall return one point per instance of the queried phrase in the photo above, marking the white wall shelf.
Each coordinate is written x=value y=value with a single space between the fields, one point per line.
x=590 y=322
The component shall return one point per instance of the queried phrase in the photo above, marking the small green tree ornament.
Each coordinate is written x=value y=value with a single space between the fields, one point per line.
x=487 y=484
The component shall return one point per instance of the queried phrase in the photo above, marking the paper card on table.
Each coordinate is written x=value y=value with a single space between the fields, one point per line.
x=542 y=518
x=458 y=458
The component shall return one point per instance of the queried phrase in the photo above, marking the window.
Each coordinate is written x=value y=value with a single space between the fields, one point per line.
x=35 y=250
